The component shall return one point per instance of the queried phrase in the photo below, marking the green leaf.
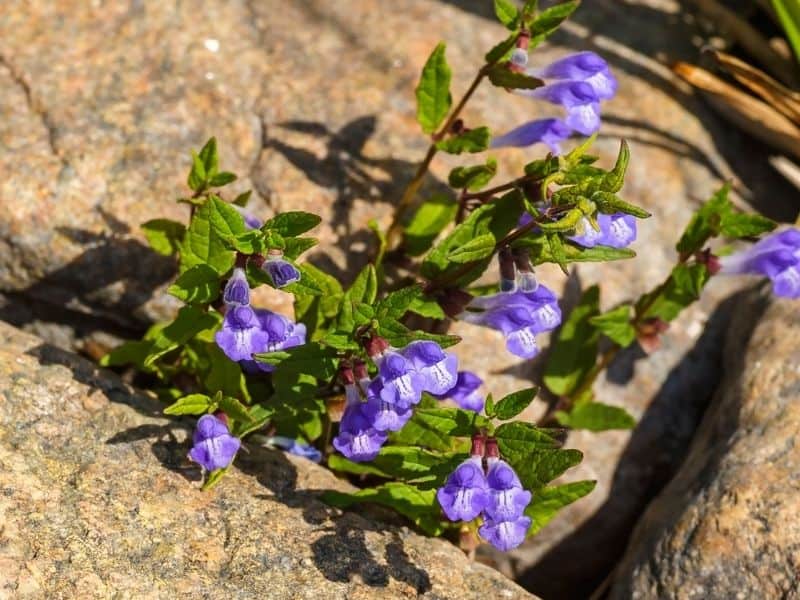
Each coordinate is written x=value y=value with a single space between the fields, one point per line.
x=193 y=404
x=574 y=352
x=249 y=242
x=223 y=178
x=788 y=12
x=223 y=375
x=365 y=287
x=610 y=204
x=234 y=409
x=210 y=158
x=616 y=325
x=197 y=175
x=533 y=454
x=471 y=178
x=213 y=224
x=542 y=168
x=477 y=248
x=541 y=251
x=398 y=335
x=501 y=50
x=433 y=92
x=417 y=505
x=243 y=198
x=396 y=304
x=133 y=352
x=501 y=76
x=427 y=307
x=506 y=13
x=189 y=322
x=311 y=358
x=292 y=223
x=741 y=225
x=297 y=410
x=613 y=180
x=295 y=246
x=198 y=285
x=705 y=223
x=681 y=289
x=513 y=404
x=595 y=416
x=407 y=463
x=549 y=20
x=546 y=503
x=474 y=140
x=431 y=218
x=164 y=235
x=436 y=428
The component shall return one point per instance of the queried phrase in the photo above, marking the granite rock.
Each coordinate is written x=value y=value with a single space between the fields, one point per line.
x=98 y=500
x=726 y=526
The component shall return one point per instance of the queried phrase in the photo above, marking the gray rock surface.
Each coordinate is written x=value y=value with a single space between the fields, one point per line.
x=726 y=526
x=314 y=109
x=97 y=500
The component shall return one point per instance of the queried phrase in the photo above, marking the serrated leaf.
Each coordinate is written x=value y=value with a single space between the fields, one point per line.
x=407 y=463
x=133 y=352
x=595 y=416
x=417 y=505
x=541 y=252
x=398 y=335
x=213 y=224
x=312 y=282
x=427 y=307
x=396 y=304
x=475 y=249
x=705 y=222
x=513 y=404
x=189 y=322
x=437 y=428
x=741 y=225
x=431 y=218
x=197 y=175
x=292 y=223
x=501 y=76
x=546 y=503
x=681 y=289
x=198 y=285
x=295 y=246
x=616 y=325
x=610 y=204
x=193 y=404
x=249 y=242
x=223 y=374
x=164 y=235
x=474 y=140
x=433 y=91
x=574 y=351
x=472 y=178
x=210 y=157
x=506 y=13
x=311 y=358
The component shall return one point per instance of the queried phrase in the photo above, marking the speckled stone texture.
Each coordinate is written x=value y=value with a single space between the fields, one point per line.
x=726 y=527
x=98 y=501
x=313 y=105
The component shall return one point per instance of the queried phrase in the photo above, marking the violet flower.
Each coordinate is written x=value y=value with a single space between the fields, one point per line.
x=213 y=445
x=776 y=256
x=237 y=290
x=587 y=67
x=505 y=535
x=438 y=368
x=580 y=100
x=617 y=231
x=385 y=416
x=465 y=392
x=241 y=335
x=358 y=439
x=508 y=498
x=518 y=315
x=280 y=270
x=402 y=384
x=465 y=494
x=550 y=132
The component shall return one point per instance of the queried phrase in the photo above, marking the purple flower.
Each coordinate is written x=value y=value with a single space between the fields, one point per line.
x=505 y=535
x=241 y=335
x=237 y=290
x=385 y=416
x=438 y=368
x=465 y=494
x=297 y=448
x=550 y=132
x=617 y=230
x=281 y=271
x=402 y=384
x=777 y=256
x=580 y=100
x=508 y=499
x=587 y=67
x=465 y=392
x=213 y=445
x=518 y=315
x=282 y=334
x=358 y=439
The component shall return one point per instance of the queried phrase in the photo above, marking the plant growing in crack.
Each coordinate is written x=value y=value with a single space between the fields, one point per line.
x=351 y=383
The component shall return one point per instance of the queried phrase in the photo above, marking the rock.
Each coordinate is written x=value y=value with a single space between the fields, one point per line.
x=315 y=110
x=726 y=526
x=98 y=500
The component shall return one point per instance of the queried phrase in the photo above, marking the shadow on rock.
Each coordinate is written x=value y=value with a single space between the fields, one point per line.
x=653 y=455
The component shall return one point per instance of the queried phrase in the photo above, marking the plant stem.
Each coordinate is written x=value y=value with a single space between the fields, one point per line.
x=410 y=193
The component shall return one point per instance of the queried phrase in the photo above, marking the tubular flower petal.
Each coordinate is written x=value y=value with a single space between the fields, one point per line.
x=213 y=445
x=465 y=392
x=237 y=290
x=505 y=535
x=777 y=256
x=465 y=494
